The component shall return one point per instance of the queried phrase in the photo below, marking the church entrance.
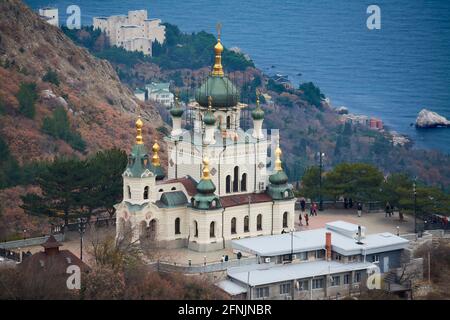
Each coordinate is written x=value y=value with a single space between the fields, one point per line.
x=148 y=233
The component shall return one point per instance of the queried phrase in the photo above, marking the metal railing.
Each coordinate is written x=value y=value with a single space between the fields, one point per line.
x=216 y=266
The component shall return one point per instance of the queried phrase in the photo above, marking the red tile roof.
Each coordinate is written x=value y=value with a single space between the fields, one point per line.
x=188 y=182
x=240 y=199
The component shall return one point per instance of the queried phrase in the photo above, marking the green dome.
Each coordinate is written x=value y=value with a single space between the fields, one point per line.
x=222 y=91
x=206 y=186
x=278 y=178
x=176 y=112
x=258 y=114
x=209 y=119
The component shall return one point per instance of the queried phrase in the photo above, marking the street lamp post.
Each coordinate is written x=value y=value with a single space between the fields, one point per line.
x=292 y=245
x=81 y=230
x=415 y=206
x=321 y=155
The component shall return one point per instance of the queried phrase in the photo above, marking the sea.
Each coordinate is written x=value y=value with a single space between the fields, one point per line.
x=391 y=73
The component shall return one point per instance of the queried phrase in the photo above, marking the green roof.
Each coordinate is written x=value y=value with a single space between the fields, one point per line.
x=222 y=91
x=176 y=112
x=138 y=160
x=258 y=113
x=278 y=178
x=209 y=119
x=280 y=192
x=174 y=199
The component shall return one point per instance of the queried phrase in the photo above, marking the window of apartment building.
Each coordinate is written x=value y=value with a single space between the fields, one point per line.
x=320 y=254
x=358 y=276
x=262 y=292
x=302 y=256
x=376 y=258
x=317 y=283
x=335 y=281
x=346 y=278
x=285 y=288
x=302 y=285
x=337 y=257
x=233 y=226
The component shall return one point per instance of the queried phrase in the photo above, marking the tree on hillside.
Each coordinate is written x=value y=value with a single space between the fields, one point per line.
x=61 y=187
x=104 y=179
x=27 y=97
x=312 y=94
x=358 y=181
x=10 y=172
x=311 y=182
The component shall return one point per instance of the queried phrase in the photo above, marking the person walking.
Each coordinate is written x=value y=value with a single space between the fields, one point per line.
x=300 y=219
x=345 y=203
x=303 y=205
x=359 y=209
x=311 y=209
x=315 y=209
x=388 y=207
x=306 y=219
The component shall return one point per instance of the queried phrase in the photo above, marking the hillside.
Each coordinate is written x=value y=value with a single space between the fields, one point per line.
x=100 y=108
x=42 y=69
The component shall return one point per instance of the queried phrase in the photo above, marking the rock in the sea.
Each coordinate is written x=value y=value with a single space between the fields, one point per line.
x=430 y=119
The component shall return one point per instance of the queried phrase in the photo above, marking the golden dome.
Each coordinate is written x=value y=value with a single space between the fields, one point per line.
x=278 y=154
x=206 y=168
x=139 y=125
x=155 y=159
x=218 y=49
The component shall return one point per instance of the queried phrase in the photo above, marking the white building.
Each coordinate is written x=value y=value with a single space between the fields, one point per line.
x=50 y=15
x=324 y=263
x=160 y=93
x=134 y=32
x=140 y=94
x=218 y=187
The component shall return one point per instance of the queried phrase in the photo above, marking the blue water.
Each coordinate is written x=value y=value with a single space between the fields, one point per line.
x=390 y=73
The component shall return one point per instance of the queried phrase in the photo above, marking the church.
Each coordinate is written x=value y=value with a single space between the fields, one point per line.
x=219 y=185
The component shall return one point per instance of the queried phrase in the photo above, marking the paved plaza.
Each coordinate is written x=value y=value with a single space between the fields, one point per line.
x=374 y=222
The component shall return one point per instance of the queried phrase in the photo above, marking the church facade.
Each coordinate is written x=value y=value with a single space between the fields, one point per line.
x=218 y=185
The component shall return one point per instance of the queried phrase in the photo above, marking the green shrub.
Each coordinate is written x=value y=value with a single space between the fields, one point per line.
x=27 y=97
x=58 y=126
x=51 y=76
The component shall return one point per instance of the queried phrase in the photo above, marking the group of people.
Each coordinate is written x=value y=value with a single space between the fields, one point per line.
x=389 y=210
x=312 y=211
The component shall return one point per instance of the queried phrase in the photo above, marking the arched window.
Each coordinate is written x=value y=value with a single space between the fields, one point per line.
x=129 y=192
x=244 y=182
x=236 y=179
x=259 y=222
x=246 y=224
x=286 y=194
x=177 y=226
x=146 y=192
x=228 y=184
x=195 y=229
x=233 y=226
x=228 y=122
x=212 y=227
x=285 y=220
